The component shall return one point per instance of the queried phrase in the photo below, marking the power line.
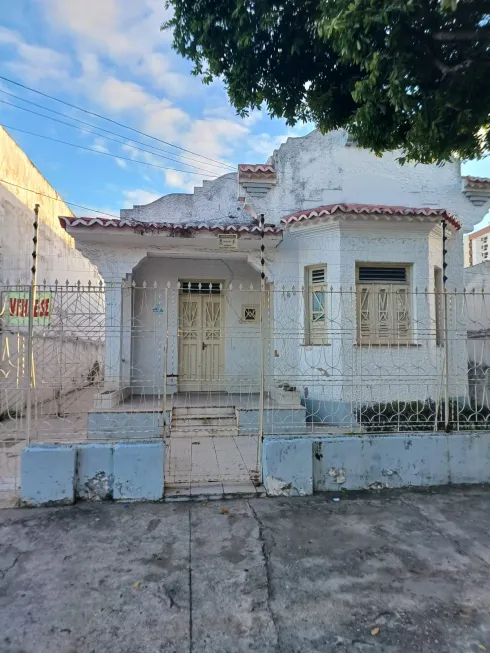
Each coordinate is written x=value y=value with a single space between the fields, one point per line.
x=98 y=115
x=114 y=156
x=102 y=129
x=58 y=199
x=88 y=131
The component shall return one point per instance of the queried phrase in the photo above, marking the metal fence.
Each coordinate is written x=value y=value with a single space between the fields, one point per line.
x=195 y=359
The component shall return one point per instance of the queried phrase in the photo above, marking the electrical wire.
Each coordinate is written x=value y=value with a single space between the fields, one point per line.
x=102 y=129
x=115 y=122
x=58 y=199
x=88 y=131
x=114 y=156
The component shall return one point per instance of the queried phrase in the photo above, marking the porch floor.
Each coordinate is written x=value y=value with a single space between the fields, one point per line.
x=142 y=403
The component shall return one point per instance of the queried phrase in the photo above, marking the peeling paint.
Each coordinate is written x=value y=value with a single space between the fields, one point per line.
x=339 y=475
x=98 y=487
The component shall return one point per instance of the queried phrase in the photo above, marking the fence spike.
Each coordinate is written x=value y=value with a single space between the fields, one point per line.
x=78 y=285
x=178 y=285
x=251 y=286
x=67 y=283
x=240 y=287
x=133 y=283
x=89 y=284
x=56 y=282
x=230 y=287
x=155 y=285
x=221 y=286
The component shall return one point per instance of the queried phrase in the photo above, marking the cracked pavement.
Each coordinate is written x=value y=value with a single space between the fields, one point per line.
x=268 y=575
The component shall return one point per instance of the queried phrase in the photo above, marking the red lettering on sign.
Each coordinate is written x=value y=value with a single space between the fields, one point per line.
x=13 y=305
x=36 y=308
x=46 y=307
x=25 y=308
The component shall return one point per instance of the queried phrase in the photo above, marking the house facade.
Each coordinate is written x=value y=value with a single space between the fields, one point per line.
x=343 y=308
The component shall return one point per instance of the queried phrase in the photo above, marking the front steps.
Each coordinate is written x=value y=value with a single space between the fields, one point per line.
x=203 y=421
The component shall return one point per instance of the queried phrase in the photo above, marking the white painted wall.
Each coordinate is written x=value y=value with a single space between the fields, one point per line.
x=316 y=170
x=60 y=364
x=241 y=347
x=342 y=371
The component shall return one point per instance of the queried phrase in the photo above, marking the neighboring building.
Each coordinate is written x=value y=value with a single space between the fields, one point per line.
x=476 y=247
x=21 y=187
x=353 y=252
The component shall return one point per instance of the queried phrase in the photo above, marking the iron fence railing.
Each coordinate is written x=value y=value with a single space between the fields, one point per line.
x=208 y=358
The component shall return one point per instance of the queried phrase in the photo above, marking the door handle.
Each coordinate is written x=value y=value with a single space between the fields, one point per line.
x=204 y=346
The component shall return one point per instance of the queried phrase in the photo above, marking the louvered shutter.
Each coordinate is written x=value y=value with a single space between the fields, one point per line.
x=383 y=306
x=317 y=308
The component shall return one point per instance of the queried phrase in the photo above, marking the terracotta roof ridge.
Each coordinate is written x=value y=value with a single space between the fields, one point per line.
x=380 y=209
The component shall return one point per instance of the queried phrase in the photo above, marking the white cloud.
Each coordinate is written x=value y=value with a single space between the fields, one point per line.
x=99 y=144
x=180 y=181
x=139 y=196
x=217 y=139
x=34 y=63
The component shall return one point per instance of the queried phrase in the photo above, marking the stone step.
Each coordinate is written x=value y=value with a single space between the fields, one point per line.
x=204 y=431
x=198 y=421
x=204 y=411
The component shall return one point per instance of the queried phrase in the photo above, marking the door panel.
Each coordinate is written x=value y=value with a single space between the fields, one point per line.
x=200 y=342
x=211 y=341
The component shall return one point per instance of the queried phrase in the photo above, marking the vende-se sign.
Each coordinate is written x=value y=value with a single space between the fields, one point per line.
x=18 y=307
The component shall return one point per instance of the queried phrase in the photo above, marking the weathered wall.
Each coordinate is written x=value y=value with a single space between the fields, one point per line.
x=300 y=466
x=57 y=260
x=341 y=374
x=315 y=170
x=241 y=341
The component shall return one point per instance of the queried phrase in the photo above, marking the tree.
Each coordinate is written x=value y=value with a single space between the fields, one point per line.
x=398 y=74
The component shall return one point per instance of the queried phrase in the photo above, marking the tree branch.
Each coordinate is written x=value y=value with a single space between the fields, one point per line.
x=451 y=70
x=462 y=35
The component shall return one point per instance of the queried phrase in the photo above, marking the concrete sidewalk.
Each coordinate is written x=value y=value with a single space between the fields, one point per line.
x=283 y=575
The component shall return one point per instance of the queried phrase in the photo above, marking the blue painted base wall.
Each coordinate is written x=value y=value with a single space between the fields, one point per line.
x=291 y=466
x=58 y=474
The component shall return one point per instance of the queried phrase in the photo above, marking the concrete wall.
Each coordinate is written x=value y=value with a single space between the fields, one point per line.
x=241 y=341
x=315 y=170
x=299 y=466
x=57 y=474
x=57 y=260
x=339 y=376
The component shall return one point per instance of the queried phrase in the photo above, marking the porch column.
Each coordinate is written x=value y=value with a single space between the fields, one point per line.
x=126 y=331
x=114 y=293
x=118 y=312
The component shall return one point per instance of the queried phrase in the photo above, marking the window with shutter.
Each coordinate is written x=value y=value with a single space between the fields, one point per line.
x=316 y=297
x=383 y=305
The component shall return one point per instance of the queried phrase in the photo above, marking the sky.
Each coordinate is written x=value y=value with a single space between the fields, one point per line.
x=110 y=57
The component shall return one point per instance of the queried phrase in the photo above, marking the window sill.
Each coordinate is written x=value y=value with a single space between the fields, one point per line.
x=388 y=344
x=323 y=344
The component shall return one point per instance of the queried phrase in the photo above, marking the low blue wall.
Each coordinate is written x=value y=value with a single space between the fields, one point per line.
x=306 y=464
x=58 y=474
